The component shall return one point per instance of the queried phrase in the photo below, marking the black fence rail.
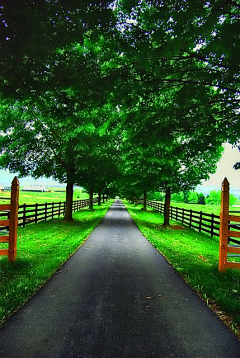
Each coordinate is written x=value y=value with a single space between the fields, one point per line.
x=234 y=227
x=33 y=213
x=197 y=220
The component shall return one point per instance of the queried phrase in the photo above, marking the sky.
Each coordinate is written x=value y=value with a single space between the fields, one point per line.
x=6 y=179
x=224 y=169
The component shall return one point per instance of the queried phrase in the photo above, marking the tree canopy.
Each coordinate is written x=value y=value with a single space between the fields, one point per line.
x=128 y=95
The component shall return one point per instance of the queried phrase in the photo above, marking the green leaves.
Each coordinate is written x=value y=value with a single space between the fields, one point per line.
x=150 y=87
x=88 y=128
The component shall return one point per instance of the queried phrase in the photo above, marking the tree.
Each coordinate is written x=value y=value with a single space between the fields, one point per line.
x=52 y=133
x=101 y=168
x=232 y=199
x=33 y=33
x=165 y=72
x=156 y=196
x=214 y=198
x=177 y=197
x=201 y=199
x=51 y=140
x=193 y=198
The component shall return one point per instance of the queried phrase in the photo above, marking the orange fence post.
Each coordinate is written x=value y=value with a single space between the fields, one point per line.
x=223 y=233
x=13 y=224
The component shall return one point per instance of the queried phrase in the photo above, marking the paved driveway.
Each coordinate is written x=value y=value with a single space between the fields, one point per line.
x=116 y=297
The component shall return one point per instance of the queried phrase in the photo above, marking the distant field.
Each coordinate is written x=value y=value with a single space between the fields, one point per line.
x=210 y=209
x=38 y=197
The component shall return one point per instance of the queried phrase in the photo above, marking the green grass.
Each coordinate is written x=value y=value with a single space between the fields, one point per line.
x=209 y=209
x=41 y=249
x=40 y=198
x=195 y=257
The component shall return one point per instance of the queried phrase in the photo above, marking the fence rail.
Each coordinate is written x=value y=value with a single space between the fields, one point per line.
x=33 y=213
x=197 y=220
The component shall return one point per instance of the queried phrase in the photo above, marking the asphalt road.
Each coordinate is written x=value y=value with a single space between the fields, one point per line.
x=116 y=297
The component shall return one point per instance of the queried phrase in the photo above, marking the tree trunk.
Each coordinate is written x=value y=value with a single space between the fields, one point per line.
x=145 y=200
x=69 y=198
x=103 y=197
x=90 y=198
x=167 y=207
x=99 y=196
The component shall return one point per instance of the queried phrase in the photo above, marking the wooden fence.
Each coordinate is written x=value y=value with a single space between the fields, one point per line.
x=197 y=220
x=14 y=215
x=9 y=220
x=229 y=243
x=33 y=213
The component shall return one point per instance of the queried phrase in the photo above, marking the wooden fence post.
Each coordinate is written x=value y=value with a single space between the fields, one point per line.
x=13 y=224
x=212 y=225
x=36 y=213
x=223 y=232
x=190 y=224
x=200 y=221
x=24 y=214
x=46 y=207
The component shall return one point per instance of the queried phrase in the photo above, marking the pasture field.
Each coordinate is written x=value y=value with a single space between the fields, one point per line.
x=41 y=249
x=209 y=209
x=195 y=256
x=42 y=197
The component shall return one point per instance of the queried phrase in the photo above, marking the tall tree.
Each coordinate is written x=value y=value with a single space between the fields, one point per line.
x=56 y=118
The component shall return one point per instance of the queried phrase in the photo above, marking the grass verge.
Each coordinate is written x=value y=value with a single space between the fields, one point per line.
x=41 y=249
x=195 y=257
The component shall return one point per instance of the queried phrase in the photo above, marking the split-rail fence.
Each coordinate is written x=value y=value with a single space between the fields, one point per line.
x=33 y=213
x=226 y=226
x=13 y=215
x=198 y=220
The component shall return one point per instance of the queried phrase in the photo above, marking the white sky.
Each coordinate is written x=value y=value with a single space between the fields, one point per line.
x=224 y=169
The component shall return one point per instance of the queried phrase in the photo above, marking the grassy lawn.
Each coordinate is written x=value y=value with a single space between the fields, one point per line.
x=41 y=249
x=38 y=197
x=195 y=257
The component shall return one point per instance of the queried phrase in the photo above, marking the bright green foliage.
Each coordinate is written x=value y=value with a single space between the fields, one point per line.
x=193 y=198
x=178 y=197
x=189 y=197
x=232 y=199
x=201 y=199
x=61 y=133
x=214 y=198
x=156 y=196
